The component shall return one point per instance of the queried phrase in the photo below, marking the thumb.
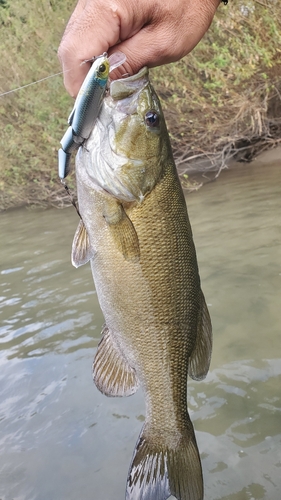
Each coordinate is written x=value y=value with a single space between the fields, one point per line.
x=141 y=51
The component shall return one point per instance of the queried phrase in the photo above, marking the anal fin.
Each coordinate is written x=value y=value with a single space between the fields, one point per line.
x=112 y=374
x=200 y=358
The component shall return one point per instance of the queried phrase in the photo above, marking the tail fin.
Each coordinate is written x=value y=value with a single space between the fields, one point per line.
x=157 y=472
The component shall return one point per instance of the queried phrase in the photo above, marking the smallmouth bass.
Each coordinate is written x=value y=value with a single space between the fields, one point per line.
x=135 y=231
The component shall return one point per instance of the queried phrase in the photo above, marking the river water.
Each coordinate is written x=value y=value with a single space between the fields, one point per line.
x=59 y=437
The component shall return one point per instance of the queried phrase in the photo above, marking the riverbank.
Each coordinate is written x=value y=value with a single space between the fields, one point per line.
x=221 y=102
x=32 y=196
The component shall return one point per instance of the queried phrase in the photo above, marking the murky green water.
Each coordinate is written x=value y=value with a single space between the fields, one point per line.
x=59 y=437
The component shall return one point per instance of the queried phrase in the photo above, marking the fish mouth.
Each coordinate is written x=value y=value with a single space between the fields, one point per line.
x=123 y=100
x=125 y=87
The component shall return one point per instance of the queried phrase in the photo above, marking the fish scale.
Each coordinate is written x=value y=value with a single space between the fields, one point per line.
x=143 y=260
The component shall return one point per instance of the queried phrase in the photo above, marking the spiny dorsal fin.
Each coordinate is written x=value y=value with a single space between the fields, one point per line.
x=81 y=249
x=112 y=374
x=122 y=230
x=200 y=358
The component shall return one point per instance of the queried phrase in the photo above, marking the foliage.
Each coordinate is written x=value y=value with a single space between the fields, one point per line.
x=225 y=95
x=225 y=91
x=4 y=4
x=33 y=119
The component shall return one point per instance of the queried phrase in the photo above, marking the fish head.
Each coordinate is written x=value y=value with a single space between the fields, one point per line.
x=126 y=151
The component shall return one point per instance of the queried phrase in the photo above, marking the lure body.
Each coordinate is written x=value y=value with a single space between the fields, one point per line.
x=85 y=111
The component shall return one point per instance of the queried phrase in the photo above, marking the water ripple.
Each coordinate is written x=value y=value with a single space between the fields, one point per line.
x=55 y=424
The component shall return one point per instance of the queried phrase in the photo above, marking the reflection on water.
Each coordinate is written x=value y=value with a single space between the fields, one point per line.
x=59 y=437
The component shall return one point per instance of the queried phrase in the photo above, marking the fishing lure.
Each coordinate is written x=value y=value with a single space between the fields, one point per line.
x=86 y=108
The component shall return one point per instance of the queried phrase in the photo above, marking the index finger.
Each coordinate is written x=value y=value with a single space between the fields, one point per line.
x=88 y=34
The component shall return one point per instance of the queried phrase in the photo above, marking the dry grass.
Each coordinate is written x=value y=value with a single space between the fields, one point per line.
x=221 y=101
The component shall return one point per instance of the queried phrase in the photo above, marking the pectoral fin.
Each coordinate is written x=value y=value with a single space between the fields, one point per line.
x=81 y=249
x=112 y=374
x=122 y=230
x=200 y=358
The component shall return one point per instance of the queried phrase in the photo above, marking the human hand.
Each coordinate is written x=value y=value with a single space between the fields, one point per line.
x=148 y=32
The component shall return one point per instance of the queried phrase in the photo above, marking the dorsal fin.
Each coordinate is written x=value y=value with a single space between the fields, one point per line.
x=200 y=358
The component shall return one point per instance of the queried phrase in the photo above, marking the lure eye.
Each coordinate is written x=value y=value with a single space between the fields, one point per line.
x=152 y=119
x=102 y=68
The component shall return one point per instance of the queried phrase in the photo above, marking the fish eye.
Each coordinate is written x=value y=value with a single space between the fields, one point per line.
x=152 y=119
x=102 y=68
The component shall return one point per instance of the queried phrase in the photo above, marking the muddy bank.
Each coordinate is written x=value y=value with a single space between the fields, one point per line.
x=38 y=195
x=204 y=171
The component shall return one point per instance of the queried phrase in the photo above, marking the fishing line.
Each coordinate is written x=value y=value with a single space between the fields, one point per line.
x=33 y=83
x=42 y=79
x=60 y=73
x=72 y=199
